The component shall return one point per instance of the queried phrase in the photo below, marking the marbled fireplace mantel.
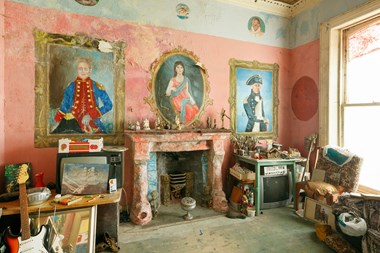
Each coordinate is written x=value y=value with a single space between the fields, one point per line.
x=146 y=141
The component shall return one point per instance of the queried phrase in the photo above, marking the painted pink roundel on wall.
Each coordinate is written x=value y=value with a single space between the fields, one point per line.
x=304 y=98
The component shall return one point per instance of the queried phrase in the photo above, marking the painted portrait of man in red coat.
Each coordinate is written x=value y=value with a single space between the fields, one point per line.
x=85 y=101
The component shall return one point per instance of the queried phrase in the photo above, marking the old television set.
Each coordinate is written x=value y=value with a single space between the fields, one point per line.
x=276 y=190
x=114 y=158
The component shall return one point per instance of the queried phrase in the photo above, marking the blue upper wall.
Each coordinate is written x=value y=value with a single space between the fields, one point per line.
x=305 y=26
x=212 y=17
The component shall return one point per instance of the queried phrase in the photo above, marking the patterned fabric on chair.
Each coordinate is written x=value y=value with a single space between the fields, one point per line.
x=329 y=179
x=348 y=173
x=367 y=208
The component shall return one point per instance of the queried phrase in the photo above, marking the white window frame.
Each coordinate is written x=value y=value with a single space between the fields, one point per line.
x=330 y=69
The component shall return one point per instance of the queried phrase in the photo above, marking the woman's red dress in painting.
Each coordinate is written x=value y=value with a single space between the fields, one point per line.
x=182 y=100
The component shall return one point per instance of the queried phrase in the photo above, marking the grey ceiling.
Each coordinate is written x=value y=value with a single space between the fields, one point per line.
x=288 y=1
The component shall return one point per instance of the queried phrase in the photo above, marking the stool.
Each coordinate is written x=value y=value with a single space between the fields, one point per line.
x=188 y=204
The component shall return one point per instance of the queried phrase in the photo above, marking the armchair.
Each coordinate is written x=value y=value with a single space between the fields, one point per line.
x=337 y=170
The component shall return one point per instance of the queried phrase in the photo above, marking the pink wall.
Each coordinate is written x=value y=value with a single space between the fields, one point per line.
x=145 y=44
x=2 y=154
x=305 y=63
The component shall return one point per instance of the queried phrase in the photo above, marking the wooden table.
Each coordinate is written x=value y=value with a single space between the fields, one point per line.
x=13 y=207
x=105 y=216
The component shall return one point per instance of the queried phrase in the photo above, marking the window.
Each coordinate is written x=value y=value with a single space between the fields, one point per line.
x=360 y=107
x=350 y=90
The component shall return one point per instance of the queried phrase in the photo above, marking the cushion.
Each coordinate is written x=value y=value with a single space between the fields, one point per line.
x=322 y=231
x=322 y=188
x=339 y=244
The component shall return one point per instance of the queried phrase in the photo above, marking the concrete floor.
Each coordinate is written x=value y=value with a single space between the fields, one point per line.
x=276 y=230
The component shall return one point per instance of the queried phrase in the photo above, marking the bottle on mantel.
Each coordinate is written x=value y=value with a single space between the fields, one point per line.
x=39 y=180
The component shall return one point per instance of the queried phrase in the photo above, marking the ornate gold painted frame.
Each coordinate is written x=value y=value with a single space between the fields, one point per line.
x=55 y=68
x=242 y=100
x=161 y=100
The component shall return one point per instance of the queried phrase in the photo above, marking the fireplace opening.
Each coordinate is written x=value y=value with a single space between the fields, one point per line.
x=175 y=175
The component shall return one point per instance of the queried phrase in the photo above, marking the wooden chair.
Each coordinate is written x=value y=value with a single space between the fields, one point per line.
x=329 y=180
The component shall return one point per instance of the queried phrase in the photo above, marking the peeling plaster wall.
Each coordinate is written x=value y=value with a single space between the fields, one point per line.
x=210 y=33
x=205 y=17
x=145 y=44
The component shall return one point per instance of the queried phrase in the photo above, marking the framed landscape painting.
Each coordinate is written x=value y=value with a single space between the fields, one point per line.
x=254 y=98
x=81 y=178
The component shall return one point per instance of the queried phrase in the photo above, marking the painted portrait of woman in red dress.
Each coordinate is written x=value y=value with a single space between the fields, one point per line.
x=179 y=91
x=179 y=88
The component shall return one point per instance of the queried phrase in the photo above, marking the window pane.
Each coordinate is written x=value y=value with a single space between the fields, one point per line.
x=362 y=136
x=362 y=65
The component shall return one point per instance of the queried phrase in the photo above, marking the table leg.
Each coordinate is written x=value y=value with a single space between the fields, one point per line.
x=257 y=189
x=294 y=170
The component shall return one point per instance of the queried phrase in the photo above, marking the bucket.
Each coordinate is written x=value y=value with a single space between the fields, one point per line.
x=251 y=213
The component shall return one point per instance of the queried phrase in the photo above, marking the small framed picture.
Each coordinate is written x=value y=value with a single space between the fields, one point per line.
x=319 y=213
x=83 y=178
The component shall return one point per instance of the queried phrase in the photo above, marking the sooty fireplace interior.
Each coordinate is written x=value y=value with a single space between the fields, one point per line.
x=175 y=175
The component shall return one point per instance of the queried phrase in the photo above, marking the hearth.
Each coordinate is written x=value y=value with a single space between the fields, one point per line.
x=147 y=145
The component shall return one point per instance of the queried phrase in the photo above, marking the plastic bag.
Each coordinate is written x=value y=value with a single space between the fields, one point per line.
x=351 y=225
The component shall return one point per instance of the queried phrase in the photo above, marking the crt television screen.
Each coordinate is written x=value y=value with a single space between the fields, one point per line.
x=114 y=158
x=275 y=191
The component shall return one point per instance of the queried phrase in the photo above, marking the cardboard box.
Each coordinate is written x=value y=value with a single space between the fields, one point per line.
x=66 y=145
x=242 y=174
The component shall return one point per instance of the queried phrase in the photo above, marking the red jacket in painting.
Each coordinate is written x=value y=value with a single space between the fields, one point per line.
x=82 y=97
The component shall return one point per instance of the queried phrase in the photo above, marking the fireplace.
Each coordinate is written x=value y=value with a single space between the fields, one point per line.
x=146 y=143
x=175 y=175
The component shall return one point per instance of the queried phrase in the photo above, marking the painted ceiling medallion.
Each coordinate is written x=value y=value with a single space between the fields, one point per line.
x=87 y=2
x=183 y=11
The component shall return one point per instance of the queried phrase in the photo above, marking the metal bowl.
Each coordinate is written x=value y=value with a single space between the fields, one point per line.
x=38 y=195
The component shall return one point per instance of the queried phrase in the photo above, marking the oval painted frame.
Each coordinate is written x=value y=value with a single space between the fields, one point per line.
x=162 y=72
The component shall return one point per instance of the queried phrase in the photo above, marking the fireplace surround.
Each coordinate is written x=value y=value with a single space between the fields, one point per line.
x=144 y=142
